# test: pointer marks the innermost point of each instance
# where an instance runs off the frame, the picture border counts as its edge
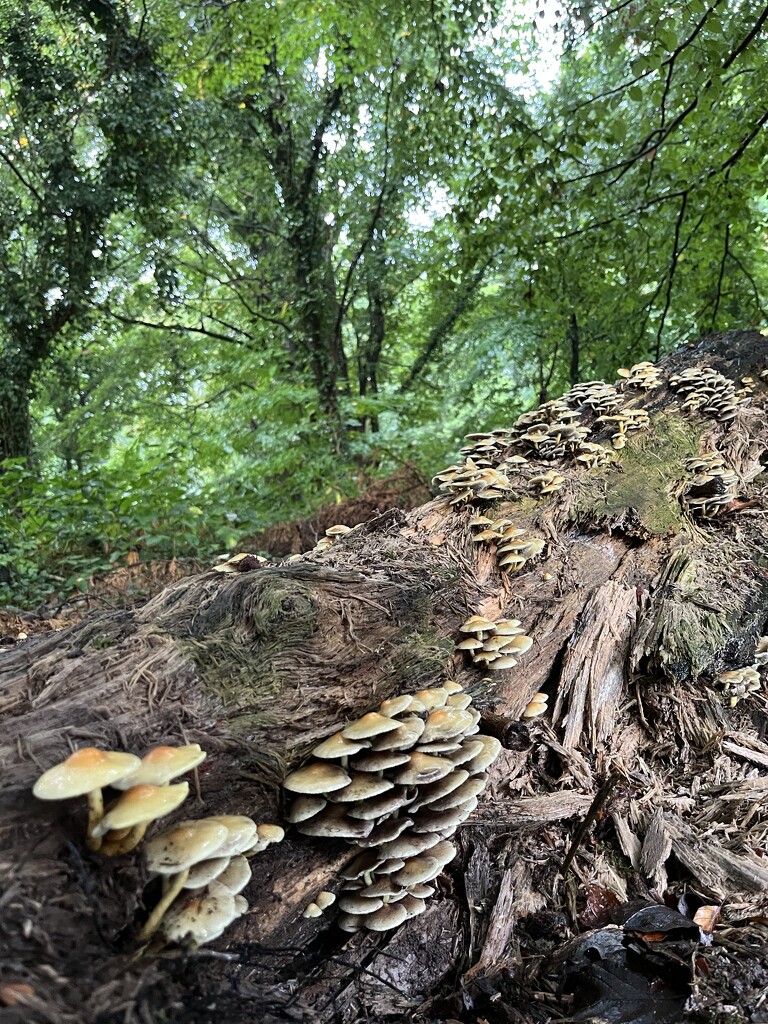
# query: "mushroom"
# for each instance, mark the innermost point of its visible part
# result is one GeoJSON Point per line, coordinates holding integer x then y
{"type": "Point", "coordinates": [172, 854]}
{"type": "Point", "coordinates": [86, 772]}
{"type": "Point", "coordinates": [203, 918]}
{"type": "Point", "coordinates": [161, 764]}
{"type": "Point", "coordinates": [135, 810]}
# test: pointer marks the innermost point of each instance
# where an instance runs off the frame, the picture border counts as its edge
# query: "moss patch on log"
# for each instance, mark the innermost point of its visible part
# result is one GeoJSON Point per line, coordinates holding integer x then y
{"type": "Point", "coordinates": [648, 478]}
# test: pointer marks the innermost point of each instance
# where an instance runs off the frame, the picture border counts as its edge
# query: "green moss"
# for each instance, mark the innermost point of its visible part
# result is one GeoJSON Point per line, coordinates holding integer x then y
{"type": "Point", "coordinates": [651, 467]}
{"type": "Point", "coordinates": [417, 660]}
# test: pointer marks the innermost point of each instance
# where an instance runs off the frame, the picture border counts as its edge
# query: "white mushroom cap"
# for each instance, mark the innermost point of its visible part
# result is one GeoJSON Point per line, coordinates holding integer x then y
{"type": "Point", "coordinates": [338, 746]}
{"type": "Point", "coordinates": [471, 787]}
{"type": "Point", "coordinates": [317, 778]}
{"type": "Point", "coordinates": [334, 823]}
{"type": "Point", "coordinates": [325, 899]}
{"type": "Point", "coordinates": [242, 833]}
{"type": "Point", "coordinates": [372, 724]}
{"type": "Point", "coordinates": [201, 919]}
{"type": "Point", "coordinates": [487, 755]}
{"type": "Point", "coordinates": [362, 786]}
{"type": "Point", "coordinates": [412, 905]}
{"type": "Point", "coordinates": [83, 771]}
{"type": "Point", "coordinates": [441, 788]}
{"type": "Point", "coordinates": [304, 807]}
{"type": "Point", "coordinates": [140, 804]}
{"type": "Point", "coordinates": [434, 697]}
{"type": "Point", "coordinates": [395, 705]}
{"type": "Point", "coordinates": [312, 910]}
{"type": "Point", "coordinates": [422, 768]}
{"type": "Point", "coordinates": [378, 806]}
{"type": "Point", "coordinates": [418, 870]}
{"type": "Point", "coordinates": [183, 846]}
{"type": "Point", "coordinates": [354, 903]}
{"type": "Point", "coordinates": [205, 871]}
{"type": "Point", "coordinates": [387, 830]}
{"type": "Point", "coordinates": [446, 723]}
{"type": "Point", "coordinates": [408, 845]}
{"type": "Point", "coordinates": [379, 760]}
{"type": "Point", "coordinates": [236, 875]}
{"type": "Point", "coordinates": [161, 764]}
{"type": "Point", "coordinates": [405, 736]}
{"type": "Point", "coordinates": [437, 821]}
{"type": "Point", "coordinates": [390, 916]}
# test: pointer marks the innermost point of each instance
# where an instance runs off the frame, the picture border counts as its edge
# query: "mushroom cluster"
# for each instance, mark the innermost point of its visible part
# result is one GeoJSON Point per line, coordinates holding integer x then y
{"type": "Point", "coordinates": [548, 483]}
{"type": "Point", "coordinates": [555, 440]}
{"type": "Point", "coordinates": [477, 479]}
{"type": "Point", "coordinates": [487, 445]}
{"type": "Point", "coordinates": [593, 454]}
{"type": "Point", "coordinates": [339, 530]}
{"type": "Point", "coordinates": [646, 376]}
{"type": "Point", "coordinates": [396, 783]}
{"type": "Point", "coordinates": [536, 707]}
{"type": "Point", "coordinates": [514, 545]}
{"type": "Point", "coordinates": [494, 645]}
{"type": "Point", "coordinates": [738, 683]}
{"type": "Point", "coordinates": [204, 867]}
{"type": "Point", "coordinates": [242, 562]}
{"type": "Point", "coordinates": [145, 781]}
{"type": "Point", "coordinates": [602, 398]}
{"type": "Point", "coordinates": [708, 392]}
{"type": "Point", "coordinates": [712, 487]}
{"type": "Point", "coordinates": [623, 423]}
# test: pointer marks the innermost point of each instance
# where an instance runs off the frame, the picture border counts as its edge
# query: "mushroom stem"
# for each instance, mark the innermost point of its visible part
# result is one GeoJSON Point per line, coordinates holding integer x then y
{"type": "Point", "coordinates": [158, 913]}
{"type": "Point", "coordinates": [95, 814]}
{"type": "Point", "coordinates": [125, 843]}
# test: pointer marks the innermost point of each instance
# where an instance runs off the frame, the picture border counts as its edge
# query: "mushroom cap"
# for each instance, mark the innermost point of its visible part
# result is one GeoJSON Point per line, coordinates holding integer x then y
{"type": "Point", "coordinates": [468, 750]}
{"type": "Point", "coordinates": [335, 823]}
{"type": "Point", "coordinates": [433, 697]}
{"type": "Point", "coordinates": [318, 778]}
{"type": "Point", "coordinates": [378, 806]}
{"type": "Point", "coordinates": [441, 788]}
{"type": "Point", "coordinates": [395, 705]}
{"type": "Point", "coordinates": [202, 918]}
{"type": "Point", "coordinates": [161, 764]}
{"type": "Point", "coordinates": [445, 724]}
{"type": "Point", "coordinates": [452, 687]}
{"type": "Point", "coordinates": [142, 803]}
{"type": "Point", "coordinates": [205, 871]}
{"type": "Point", "coordinates": [471, 787]}
{"type": "Point", "coordinates": [491, 748]}
{"type": "Point", "coordinates": [422, 768]}
{"type": "Point", "coordinates": [86, 769]}
{"type": "Point", "coordinates": [418, 870]}
{"type": "Point", "coordinates": [534, 709]}
{"type": "Point", "coordinates": [405, 736]}
{"type": "Point", "coordinates": [408, 845]}
{"type": "Point", "coordinates": [242, 833]}
{"type": "Point", "coordinates": [362, 786]}
{"type": "Point", "coordinates": [304, 807]}
{"type": "Point", "coordinates": [338, 746]}
{"type": "Point", "coordinates": [388, 830]}
{"type": "Point", "coordinates": [354, 903]}
{"type": "Point", "coordinates": [459, 700]}
{"type": "Point", "coordinates": [324, 899]}
{"type": "Point", "coordinates": [372, 724]}
{"type": "Point", "coordinates": [312, 910]}
{"type": "Point", "coordinates": [413, 905]}
{"type": "Point", "coordinates": [476, 624]}
{"type": "Point", "coordinates": [270, 833]}
{"type": "Point", "coordinates": [435, 821]}
{"type": "Point", "coordinates": [236, 875]}
{"type": "Point", "coordinates": [389, 916]}
{"type": "Point", "coordinates": [183, 846]}
{"type": "Point", "coordinates": [379, 760]}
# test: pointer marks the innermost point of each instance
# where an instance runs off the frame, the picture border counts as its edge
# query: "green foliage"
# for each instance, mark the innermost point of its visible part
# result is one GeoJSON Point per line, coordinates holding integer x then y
{"type": "Point", "coordinates": [254, 254]}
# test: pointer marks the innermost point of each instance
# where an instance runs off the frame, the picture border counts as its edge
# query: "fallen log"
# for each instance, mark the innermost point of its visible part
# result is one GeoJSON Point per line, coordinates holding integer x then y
{"type": "Point", "coordinates": [644, 774]}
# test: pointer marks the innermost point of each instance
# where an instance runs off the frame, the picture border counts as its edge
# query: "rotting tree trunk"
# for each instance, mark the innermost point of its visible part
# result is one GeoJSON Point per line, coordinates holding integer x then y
{"type": "Point", "coordinates": [634, 610]}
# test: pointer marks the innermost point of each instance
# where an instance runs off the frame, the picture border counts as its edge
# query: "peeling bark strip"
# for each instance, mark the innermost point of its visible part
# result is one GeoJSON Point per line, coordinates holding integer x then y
{"type": "Point", "coordinates": [635, 609]}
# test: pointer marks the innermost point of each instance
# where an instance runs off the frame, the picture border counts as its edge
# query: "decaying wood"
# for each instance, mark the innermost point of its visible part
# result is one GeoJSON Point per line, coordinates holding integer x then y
{"type": "Point", "coordinates": [635, 610]}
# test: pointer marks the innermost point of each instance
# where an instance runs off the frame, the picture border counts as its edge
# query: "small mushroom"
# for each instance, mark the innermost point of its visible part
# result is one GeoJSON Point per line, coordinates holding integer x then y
{"type": "Point", "coordinates": [161, 764]}
{"type": "Point", "coordinates": [135, 810]}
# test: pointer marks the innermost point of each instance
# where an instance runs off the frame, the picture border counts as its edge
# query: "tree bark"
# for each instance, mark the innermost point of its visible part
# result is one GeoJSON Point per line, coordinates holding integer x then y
{"type": "Point", "coordinates": [635, 609]}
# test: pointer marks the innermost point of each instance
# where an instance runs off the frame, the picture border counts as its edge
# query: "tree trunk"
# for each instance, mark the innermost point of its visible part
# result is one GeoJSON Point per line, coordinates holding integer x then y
{"type": "Point", "coordinates": [635, 609]}
{"type": "Point", "coordinates": [15, 431]}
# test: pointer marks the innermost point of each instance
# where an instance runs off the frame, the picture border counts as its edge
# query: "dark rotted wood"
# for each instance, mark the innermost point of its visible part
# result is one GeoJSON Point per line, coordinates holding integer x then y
{"type": "Point", "coordinates": [634, 611]}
